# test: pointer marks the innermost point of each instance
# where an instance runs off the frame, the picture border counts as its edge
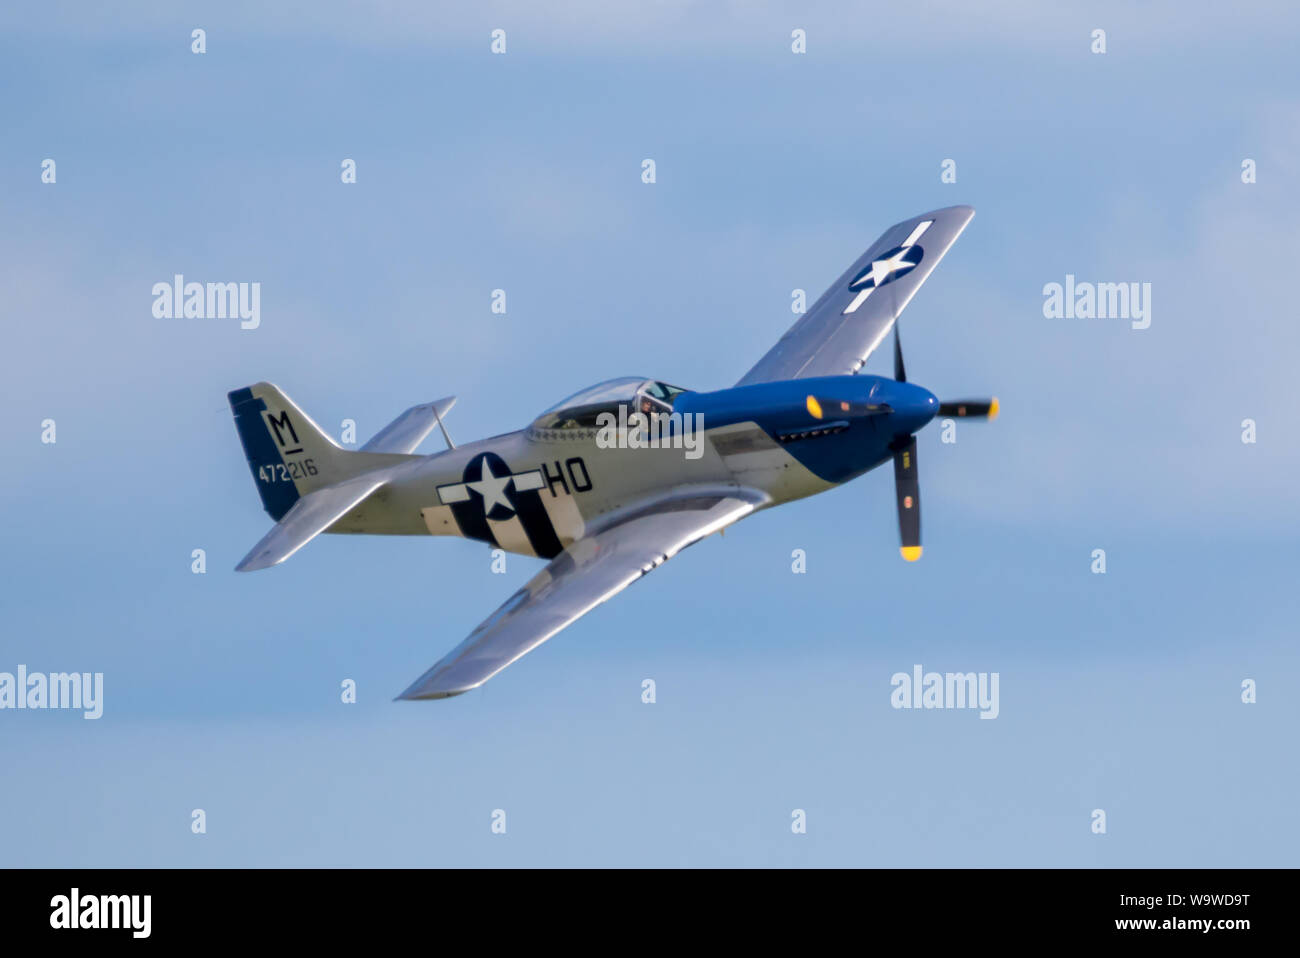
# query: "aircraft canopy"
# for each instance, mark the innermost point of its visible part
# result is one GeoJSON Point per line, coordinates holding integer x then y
{"type": "Point", "coordinates": [580, 410]}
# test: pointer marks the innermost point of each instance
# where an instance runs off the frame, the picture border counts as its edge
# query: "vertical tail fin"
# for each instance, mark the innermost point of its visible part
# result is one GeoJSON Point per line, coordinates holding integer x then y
{"type": "Point", "coordinates": [288, 454]}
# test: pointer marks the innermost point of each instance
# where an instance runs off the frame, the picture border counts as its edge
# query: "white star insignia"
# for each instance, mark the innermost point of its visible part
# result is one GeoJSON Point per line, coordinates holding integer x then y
{"type": "Point", "coordinates": [882, 268]}
{"type": "Point", "coordinates": [492, 487]}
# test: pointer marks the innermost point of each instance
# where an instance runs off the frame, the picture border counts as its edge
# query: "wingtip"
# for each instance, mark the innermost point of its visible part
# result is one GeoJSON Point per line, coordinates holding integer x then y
{"type": "Point", "coordinates": [414, 695]}
{"type": "Point", "coordinates": [254, 563]}
{"type": "Point", "coordinates": [432, 685]}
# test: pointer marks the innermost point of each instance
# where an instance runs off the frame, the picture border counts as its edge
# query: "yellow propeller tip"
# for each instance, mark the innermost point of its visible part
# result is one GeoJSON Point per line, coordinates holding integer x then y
{"type": "Point", "coordinates": [993, 409]}
{"type": "Point", "coordinates": [814, 407]}
{"type": "Point", "coordinates": [910, 553]}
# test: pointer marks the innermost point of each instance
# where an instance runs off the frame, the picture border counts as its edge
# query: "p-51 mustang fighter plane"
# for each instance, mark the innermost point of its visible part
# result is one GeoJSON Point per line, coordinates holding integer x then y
{"type": "Point", "coordinates": [606, 484]}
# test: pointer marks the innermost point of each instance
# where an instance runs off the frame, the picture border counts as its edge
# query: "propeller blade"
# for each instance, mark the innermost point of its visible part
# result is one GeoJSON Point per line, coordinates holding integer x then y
{"type": "Point", "coordinates": [970, 408]}
{"type": "Point", "coordinates": [908, 489]}
{"type": "Point", "coordinates": [840, 408]}
{"type": "Point", "coordinates": [899, 372]}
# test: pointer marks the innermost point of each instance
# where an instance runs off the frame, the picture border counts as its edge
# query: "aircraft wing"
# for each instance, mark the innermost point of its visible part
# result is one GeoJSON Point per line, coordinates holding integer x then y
{"type": "Point", "coordinates": [408, 430]}
{"type": "Point", "coordinates": [844, 326]}
{"type": "Point", "coordinates": [310, 516]}
{"type": "Point", "coordinates": [581, 577]}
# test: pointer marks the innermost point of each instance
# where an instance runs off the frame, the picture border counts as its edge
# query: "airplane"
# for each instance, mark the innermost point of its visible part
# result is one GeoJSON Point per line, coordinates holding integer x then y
{"type": "Point", "coordinates": [586, 486]}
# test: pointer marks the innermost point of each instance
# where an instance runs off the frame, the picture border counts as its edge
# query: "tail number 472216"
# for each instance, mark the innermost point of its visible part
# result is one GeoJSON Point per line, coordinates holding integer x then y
{"type": "Point", "coordinates": [280, 472]}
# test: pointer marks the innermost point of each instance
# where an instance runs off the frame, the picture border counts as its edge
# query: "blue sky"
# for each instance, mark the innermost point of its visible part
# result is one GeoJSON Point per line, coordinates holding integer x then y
{"type": "Point", "coordinates": [775, 171]}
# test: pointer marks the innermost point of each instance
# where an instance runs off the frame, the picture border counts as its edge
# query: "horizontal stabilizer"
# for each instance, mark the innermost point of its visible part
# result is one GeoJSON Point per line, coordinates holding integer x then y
{"type": "Point", "coordinates": [408, 430]}
{"type": "Point", "coordinates": [310, 516]}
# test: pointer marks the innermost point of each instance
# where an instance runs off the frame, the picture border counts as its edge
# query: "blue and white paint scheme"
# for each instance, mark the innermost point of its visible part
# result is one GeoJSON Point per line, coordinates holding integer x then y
{"type": "Point", "coordinates": [620, 477]}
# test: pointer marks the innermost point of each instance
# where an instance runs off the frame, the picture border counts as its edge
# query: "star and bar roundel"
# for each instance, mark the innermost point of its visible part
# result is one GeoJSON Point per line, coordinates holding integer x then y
{"type": "Point", "coordinates": [490, 491]}
{"type": "Point", "coordinates": [889, 266]}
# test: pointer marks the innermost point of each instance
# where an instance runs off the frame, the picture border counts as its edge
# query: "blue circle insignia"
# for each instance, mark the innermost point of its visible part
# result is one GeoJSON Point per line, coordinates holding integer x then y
{"type": "Point", "coordinates": [887, 267]}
